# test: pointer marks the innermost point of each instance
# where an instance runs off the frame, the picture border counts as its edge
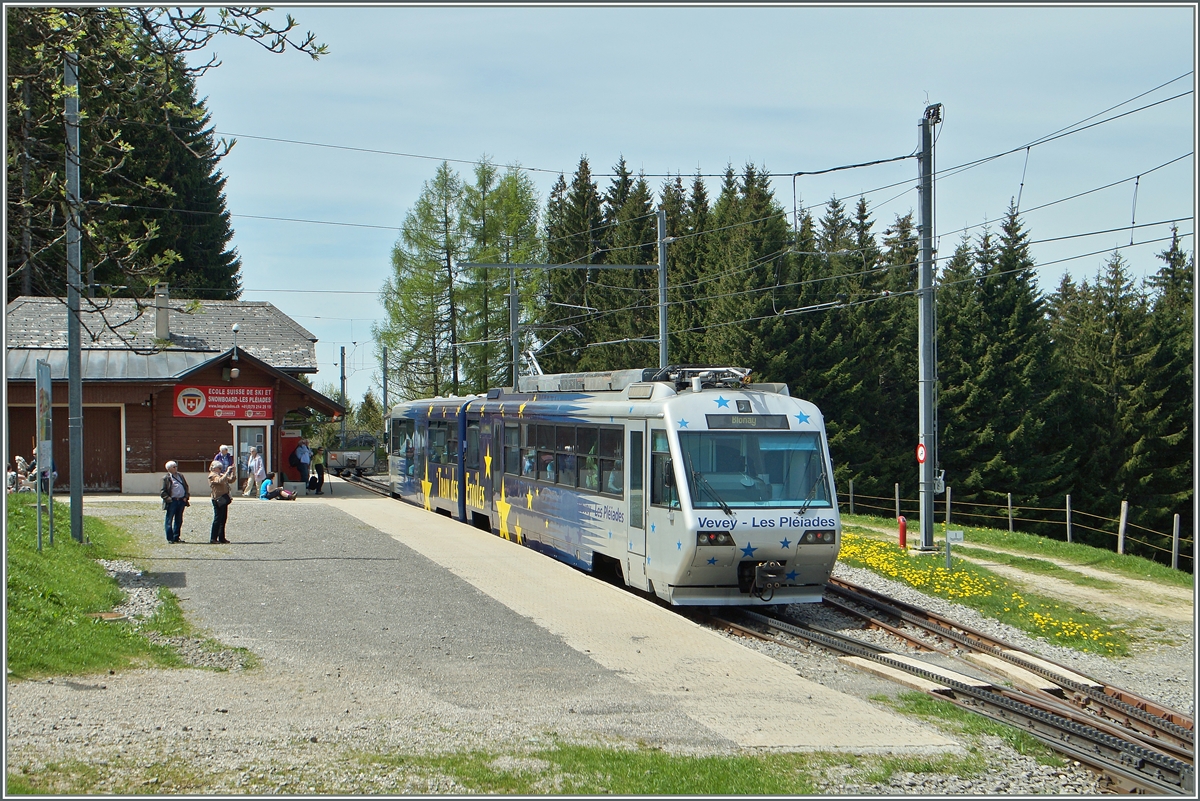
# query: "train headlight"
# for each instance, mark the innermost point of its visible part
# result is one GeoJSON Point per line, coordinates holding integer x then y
{"type": "Point", "coordinates": [714, 538]}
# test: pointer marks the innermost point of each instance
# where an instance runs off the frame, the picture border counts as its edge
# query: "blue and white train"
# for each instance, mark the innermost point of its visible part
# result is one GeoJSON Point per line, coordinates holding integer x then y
{"type": "Point", "coordinates": [699, 486]}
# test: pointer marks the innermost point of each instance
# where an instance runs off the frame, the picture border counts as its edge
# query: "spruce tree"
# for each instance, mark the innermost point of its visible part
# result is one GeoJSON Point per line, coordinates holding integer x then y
{"type": "Point", "coordinates": [1171, 490]}
{"type": "Point", "coordinates": [574, 235]}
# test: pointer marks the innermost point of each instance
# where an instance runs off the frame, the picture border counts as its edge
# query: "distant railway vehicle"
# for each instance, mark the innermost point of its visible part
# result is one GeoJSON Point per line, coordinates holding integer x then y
{"type": "Point", "coordinates": [357, 456]}
{"type": "Point", "coordinates": [697, 485]}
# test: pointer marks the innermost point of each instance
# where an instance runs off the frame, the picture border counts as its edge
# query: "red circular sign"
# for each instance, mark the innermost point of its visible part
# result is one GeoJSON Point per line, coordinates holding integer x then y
{"type": "Point", "coordinates": [921, 454]}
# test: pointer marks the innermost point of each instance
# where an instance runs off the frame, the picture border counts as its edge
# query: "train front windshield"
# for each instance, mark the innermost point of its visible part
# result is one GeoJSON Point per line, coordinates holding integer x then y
{"type": "Point", "coordinates": [751, 468]}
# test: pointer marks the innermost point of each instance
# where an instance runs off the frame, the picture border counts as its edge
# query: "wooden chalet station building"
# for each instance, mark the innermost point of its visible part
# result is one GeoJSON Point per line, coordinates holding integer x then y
{"type": "Point", "coordinates": [171, 381]}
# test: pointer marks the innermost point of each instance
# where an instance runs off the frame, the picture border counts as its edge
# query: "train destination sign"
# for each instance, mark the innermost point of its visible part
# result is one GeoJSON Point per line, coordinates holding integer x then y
{"type": "Point", "coordinates": [229, 403]}
{"type": "Point", "coordinates": [747, 421]}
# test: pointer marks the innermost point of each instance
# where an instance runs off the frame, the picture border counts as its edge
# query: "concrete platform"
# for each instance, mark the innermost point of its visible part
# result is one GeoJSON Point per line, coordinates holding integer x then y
{"type": "Point", "coordinates": [733, 691]}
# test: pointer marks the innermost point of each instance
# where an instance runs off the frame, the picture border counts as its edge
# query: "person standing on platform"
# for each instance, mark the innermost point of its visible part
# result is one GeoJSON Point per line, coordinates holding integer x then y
{"type": "Point", "coordinates": [219, 477]}
{"type": "Point", "coordinates": [304, 454]}
{"type": "Point", "coordinates": [255, 472]}
{"type": "Point", "coordinates": [224, 457]}
{"type": "Point", "coordinates": [175, 496]}
{"type": "Point", "coordinates": [318, 465]}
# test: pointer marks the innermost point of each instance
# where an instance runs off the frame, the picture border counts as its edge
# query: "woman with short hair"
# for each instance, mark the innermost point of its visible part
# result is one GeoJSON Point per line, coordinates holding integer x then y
{"type": "Point", "coordinates": [219, 478]}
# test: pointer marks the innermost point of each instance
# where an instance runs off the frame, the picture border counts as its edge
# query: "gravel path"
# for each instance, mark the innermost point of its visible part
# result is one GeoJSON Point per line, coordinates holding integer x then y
{"type": "Point", "coordinates": [365, 646]}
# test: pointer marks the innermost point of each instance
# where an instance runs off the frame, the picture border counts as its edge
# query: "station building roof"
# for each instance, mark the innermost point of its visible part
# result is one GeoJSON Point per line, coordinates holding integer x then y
{"type": "Point", "coordinates": [118, 337]}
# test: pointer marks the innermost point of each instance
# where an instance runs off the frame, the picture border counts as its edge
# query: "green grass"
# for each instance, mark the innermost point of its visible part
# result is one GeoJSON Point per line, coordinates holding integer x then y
{"type": "Point", "coordinates": [960, 721]}
{"type": "Point", "coordinates": [51, 593]}
{"type": "Point", "coordinates": [1030, 564]}
{"type": "Point", "coordinates": [593, 770]}
{"type": "Point", "coordinates": [1034, 545]}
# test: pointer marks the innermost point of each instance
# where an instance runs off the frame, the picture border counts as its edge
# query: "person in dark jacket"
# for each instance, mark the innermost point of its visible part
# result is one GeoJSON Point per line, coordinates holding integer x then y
{"type": "Point", "coordinates": [175, 496]}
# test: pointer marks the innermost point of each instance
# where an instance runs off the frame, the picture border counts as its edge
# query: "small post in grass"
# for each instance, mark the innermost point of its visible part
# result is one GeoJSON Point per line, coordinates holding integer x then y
{"type": "Point", "coordinates": [1010, 528]}
{"type": "Point", "coordinates": [1175, 546]}
{"type": "Point", "coordinates": [851, 496]}
{"type": "Point", "coordinates": [897, 499]}
{"type": "Point", "coordinates": [1121, 530]}
{"type": "Point", "coordinates": [947, 504]}
{"type": "Point", "coordinates": [951, 536]}
{"type": "Point", "coordinates": [1068, 517]}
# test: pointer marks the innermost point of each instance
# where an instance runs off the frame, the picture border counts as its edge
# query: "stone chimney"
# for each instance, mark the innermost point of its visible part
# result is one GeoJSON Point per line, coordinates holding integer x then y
{"type": "Point", "coordinates": [162, 324]}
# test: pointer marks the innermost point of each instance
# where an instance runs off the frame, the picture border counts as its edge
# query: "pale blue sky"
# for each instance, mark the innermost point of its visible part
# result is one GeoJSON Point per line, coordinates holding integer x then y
{"type": "Point", "coordinates": [674, 89]}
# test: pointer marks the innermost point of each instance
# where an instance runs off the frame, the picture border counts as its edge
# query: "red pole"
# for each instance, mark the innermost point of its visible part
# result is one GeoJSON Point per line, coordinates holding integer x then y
{"type": "Point", "coordinates": [903, 533]}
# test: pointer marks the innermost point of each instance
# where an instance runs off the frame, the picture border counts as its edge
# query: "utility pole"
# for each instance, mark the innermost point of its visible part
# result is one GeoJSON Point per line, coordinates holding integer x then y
{"type": "Point", "coordinates": [514, 327]}
{"type": "Point", "coordinates": [927, 365]}
{"type": "Point", "coordinates": [343, 397]}
{"type": "Point", "coordinates": [74, 367]}
{"type": "Point", "coordinates": [662, 287]}
{"type": "Point", "coordinates": [386, 409]}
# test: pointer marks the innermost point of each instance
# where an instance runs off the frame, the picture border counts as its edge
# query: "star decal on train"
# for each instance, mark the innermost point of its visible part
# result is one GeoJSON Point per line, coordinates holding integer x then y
{"type": "Point", "coordinates": [683, 423]}
{"type": "Point", "coordinates": [503, 507]}
{"type": "Point", "coordinates": [426, 486]}
{"type": "Point", "coordinates": [517, 528]}
{"type": "Point", "coordinates": [791, 575]}
{"type": "Point", "coordinates": [712, 560]}
{"type": "Point", "coordinates": [528, 499]}
{"type": "Point", "coordinates": [801, 418]}
{"type": "Point", "coordinates": [678, 545]}
{"type": "Point", "coordinates": [487, 461]}
{"type": "Point", "coordinates": [749, 550]}
{"type": "Point", "coordinates": [722, 403]}
{"type": "Point", "coordinates": [521, 409]}
{"type": "Point", "coordinates": [786, 543]}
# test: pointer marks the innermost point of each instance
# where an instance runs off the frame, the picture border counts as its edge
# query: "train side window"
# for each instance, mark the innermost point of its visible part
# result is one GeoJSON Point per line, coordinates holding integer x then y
{"type": "Point", "coordinates": [402, 434]}
{"type": "Point", "coordinates": [587, 444]}
{"type": "Point", "coordinates": [663, 491]}
{"type": "Point", "coordinates": [512, 438]}
{"type": "Point", "coordinates": [612, 469]}
{"type": "Point", "coordinates": [529, 450]}
{"type": "Point", "coordinates": [439, 442]}
{"type": "Point", "coordinates": [565, 439]}
{"type": "Point", "coordinates": [471, 458]}
{"type": "Point", "coordinates": [545, 459]}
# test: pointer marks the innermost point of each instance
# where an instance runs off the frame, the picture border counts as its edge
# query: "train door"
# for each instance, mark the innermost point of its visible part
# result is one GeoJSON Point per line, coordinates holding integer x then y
{"type": "Point", "coordinates": [476, 498]}
{"type": "Point", "coordinates": [635, 558]}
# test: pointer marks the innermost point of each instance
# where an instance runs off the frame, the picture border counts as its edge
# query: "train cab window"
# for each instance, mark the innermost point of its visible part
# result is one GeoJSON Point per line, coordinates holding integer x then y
{"type": "Point", "coordinates": [529, 450]}
{"type": "Point", "coordinates": [512, 438]}
{"type": "Point", "coordinates": [612, 470]}
{"type": "Point", "coordinates": [565, 439]}
{"type": "Point", "coordinates": [546, 469]}
{"type": "Point", "coordinates": [471, 458]}
{"type": "Point", "coordinates": [663, 491]}
{"type": "Point", "coordinates": [402, 436]}
{"type": "Point", "coordinates": [587, 443]}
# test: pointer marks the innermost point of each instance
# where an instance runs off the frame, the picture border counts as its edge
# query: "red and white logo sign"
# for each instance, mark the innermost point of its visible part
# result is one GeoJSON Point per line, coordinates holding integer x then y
{"type": "Point", "coordinates": [191, 401]}
{"type": "Point", "coordinates": [228, 402]}
{"type": "Point", "coordinates": [921, 453]}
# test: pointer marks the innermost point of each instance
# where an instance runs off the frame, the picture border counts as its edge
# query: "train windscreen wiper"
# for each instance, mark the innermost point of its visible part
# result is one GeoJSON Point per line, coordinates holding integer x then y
{"type": "Point", "coordinates": [812, 493]}
{"type": "Point", "coordinates": [702, 482]}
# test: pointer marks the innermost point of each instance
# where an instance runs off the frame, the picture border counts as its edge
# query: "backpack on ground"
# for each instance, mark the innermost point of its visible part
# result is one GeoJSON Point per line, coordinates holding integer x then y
{"type": "Point", "coordinates": [312, 484]}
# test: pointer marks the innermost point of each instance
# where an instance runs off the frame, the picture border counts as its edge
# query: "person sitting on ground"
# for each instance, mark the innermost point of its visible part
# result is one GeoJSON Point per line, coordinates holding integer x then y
{"type": "Point", "coordinates": [267, 491]}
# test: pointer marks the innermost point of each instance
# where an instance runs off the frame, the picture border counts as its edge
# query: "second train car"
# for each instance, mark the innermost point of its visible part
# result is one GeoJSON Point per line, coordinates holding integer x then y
{"type": "Point", "coordinates": [697, 485]}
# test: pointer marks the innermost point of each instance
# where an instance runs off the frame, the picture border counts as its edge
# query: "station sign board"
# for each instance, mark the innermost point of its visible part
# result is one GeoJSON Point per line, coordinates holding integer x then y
{"type": "Point", "coordinates": [225, 402]}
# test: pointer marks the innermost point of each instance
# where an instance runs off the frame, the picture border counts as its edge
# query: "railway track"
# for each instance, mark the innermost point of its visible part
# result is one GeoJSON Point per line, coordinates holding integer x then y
{"type": "Point", "coordinates": [1137, 745]}
{"type": "Point", "coordinates": [1128, 760]}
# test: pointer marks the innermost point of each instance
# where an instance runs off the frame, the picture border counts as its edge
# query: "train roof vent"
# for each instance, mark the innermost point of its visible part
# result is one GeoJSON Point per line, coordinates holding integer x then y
{"type": "Point", "coordinates": [611, 381]}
